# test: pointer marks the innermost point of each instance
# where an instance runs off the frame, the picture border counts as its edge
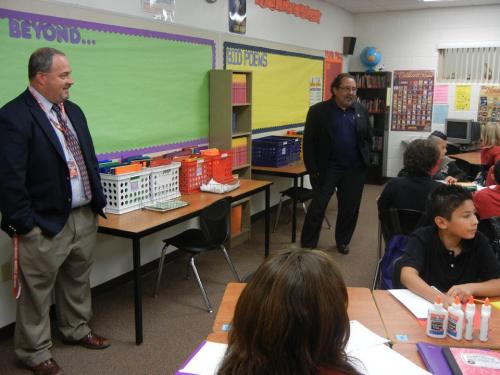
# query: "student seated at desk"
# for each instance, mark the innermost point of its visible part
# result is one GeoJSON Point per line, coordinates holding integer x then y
{"type": "Point", "coordinates": [291, 319]}
{"type": "Point", "coordinates": [487, 200]}
{"type": "Point", "coordinates": [490, 149]}
{"type": "Point", "coordinates": [452, 255]}
{"type": "Point", "coordinates": [411, 189]}
{"type": "Point", "coordinates": [448, 169]}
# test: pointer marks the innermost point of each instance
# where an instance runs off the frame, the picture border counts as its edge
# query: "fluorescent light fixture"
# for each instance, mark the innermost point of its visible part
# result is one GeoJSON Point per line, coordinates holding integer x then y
{"type": "Point", "coordinates": [435, 1]}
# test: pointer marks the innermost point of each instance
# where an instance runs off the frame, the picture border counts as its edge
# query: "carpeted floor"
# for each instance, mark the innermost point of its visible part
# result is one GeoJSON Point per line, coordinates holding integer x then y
{"type": "Point", "coordinates": [176, 322]}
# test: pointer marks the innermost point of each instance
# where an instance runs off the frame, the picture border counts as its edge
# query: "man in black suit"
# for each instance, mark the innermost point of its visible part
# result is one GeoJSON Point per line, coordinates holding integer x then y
{"type": "Point", "coordinates": [337, 143]}
{"type": "Point", "coordinates": [50, 195]}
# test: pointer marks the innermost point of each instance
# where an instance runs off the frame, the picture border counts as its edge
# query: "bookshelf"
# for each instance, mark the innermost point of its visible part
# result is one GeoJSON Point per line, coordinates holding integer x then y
{"type": "Point", "coordinates": [374, 93]}
{"type": "Point", "coordinates": [231, 129]}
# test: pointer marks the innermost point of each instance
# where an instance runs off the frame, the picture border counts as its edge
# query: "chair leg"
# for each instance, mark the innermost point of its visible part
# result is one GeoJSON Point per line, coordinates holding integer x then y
{"type": "Point", "coordinates": [326, 219]}
{"type": "Point", "coordinates": [200, 285]}
{"type": "Point", "coordinates": [231, 265]}
{"type": "Point", "coordinates": [376, 277]}
{"type": "Point", "coordinates": [278, 214]}
{"type": "Point", "coordinates": [328, 223]}
{"type": "Point", "coordinates": [160, 269]}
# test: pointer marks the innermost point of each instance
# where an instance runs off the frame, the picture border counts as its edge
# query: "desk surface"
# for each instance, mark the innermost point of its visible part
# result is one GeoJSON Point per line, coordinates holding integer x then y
{"type": "Point", "coordinates": [361, 307]}
{"type": "Point", "coordinates": [292, 170]}
{"type": "Point", "coordinates": [144, 221]}
{"type": "Point", "coordinates": [473, 158]}
{"type": "Point", "coordinates": [398, 320]}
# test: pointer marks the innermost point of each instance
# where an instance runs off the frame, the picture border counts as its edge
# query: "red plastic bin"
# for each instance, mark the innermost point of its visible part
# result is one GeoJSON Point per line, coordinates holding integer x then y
{"type": "Point", "coordinates": [194, 172]}
{"type": "Point", "coordinates": [222, 167]}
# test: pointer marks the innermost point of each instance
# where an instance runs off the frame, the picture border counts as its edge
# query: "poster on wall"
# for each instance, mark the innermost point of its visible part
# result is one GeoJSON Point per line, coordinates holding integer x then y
{"type": "Point", "coordinates": [489, 104]}
{"type": "Point", "coordinates": [315, 90]}
{"type": "Point", "coordinates": [238, 16]}
{"type": "Point", "coordinates": [412, 100]}
{"type": "Point", "coordinates": [332, 67]}
{"type": "Point", "coordinates": [462, 97]}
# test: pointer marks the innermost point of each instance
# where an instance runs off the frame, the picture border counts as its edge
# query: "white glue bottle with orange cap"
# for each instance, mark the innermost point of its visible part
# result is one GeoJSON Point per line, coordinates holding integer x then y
{"type": "Point", "coordinates": [485, 320]}
{"type": "Point", "coordinates": [455, 320]}
{"type": "Point", "coordinates": [470, 312]}
{"type": "Point", "coordinates": [437, 319]}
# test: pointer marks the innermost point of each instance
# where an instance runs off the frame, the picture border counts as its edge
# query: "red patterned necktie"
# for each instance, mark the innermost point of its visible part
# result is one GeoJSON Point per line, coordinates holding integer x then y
{"type": "Point", "coordinates": [74, 147]}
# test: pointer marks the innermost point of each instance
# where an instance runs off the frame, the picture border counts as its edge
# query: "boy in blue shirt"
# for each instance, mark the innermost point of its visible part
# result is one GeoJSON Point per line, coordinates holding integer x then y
{"type": "Point", "coordinates": [452, 255]}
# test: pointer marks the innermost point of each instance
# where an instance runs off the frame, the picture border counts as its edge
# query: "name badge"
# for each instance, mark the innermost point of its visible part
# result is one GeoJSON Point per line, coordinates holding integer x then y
{"type": "Point", "coordinates": [73, 170]}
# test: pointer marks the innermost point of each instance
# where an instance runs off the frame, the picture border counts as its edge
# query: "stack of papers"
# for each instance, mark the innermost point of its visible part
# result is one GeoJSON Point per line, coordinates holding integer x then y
{"type": "Point", "coordinates": [366, 349]}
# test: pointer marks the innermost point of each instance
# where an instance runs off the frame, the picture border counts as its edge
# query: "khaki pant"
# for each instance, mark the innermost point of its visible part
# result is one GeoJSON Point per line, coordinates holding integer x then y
{"type": "Point", "coordinates": [62, 264]}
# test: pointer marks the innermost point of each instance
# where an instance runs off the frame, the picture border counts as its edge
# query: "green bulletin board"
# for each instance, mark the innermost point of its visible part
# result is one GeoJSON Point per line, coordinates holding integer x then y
{"type": "Point", "coordinates": [140, 90]}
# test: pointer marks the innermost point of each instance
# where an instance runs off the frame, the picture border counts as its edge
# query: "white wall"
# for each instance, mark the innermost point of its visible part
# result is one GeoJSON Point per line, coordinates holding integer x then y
{"type": "Point", "coordinates": [112, 255]}
{"type": "Point", "coordinates": [408, 40]}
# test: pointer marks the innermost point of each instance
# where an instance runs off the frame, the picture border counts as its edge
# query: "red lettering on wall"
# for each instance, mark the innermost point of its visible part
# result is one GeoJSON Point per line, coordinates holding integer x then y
{"type": "Point", "coordinates": [295, 9]}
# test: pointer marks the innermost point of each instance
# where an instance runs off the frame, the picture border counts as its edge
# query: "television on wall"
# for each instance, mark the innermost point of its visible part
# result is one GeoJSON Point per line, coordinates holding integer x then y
{"type": "Point", "coordinates": [464, 132]}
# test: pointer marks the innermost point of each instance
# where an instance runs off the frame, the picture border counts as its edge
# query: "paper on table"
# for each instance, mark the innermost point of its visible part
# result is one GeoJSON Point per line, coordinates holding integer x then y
{"type": "Point", "coordinates": [417, 305]}
{"type": "Point", "coordinates": [208, 357]}
{"type": "Point", "coordinates": [361, 337]}
{"type": "Point", "coordinates": [383, 360]}
{"type": "Point", "coordinates": [207, 360]}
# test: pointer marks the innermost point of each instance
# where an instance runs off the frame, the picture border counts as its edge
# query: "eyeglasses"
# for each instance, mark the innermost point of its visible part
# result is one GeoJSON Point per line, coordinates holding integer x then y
{"type": "Point", "coordinates": [350, 89]}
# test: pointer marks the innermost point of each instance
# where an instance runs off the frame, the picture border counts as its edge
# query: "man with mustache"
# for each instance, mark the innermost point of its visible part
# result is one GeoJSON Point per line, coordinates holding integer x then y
{"type": "Point", "coordinates": [50, 195]}
{"type": "Point", "coordinates": [337, 143]}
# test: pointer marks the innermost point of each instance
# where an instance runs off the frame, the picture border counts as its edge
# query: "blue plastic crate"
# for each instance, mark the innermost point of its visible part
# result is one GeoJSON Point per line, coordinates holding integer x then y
{"type": "Point", "coordinates": [275, 151]}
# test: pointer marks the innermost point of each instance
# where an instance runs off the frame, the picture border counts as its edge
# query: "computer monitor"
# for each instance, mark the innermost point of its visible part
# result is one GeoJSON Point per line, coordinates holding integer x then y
{"type": "Point", "coordinates": [462, 131]}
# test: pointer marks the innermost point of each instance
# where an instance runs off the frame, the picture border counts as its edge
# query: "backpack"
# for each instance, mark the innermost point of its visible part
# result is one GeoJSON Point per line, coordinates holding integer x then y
{"type": "Point", "coordinates": [395, 248]}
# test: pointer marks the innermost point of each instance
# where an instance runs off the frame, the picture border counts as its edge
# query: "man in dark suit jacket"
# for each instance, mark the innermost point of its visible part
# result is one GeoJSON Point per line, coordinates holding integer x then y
{"type": "Point", "coordinates": [50, 195]}
{"type": "Point", "coordinates": [337, 143]}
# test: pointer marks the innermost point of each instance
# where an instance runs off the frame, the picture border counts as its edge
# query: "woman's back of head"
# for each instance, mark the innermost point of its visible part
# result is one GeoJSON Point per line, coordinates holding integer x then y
{"type": "Point", "coordinates": [291, 318]}
{"type": "Point", "coordinates": [490, 134]}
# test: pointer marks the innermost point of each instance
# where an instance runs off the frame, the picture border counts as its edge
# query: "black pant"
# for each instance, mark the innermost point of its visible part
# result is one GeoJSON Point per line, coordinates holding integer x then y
{"type": "Point", "coordinates": [349, 185]}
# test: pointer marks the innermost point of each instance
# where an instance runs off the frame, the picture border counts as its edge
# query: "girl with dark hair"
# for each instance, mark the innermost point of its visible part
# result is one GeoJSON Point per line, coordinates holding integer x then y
{"type": "Point", "coordinates": [291, 319]}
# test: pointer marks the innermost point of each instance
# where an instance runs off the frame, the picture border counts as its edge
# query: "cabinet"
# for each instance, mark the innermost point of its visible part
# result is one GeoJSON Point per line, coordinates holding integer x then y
{"type": "Point", "coordinates": [374, 92]}
{"type": "Point", "coordinates": [231, 129]}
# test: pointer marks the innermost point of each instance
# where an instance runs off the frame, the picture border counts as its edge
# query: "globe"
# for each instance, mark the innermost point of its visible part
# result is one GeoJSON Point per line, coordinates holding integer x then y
{"type": "Point", "coordinates": [370, 57]}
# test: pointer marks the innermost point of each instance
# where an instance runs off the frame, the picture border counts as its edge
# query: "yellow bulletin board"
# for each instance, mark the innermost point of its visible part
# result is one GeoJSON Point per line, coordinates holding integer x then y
{"type": "Point", "coordinates": [284, 84]}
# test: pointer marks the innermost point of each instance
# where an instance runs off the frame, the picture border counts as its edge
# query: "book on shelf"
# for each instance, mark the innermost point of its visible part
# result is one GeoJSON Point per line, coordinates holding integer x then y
{"type": "Point", "coordinates": [472, 361]}
{"type": "Point", "coordinates": [370, 81]}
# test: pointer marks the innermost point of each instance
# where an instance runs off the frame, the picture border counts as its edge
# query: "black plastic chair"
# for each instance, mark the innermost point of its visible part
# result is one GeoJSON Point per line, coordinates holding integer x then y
{"type": "Point", "coordinates": [301, 195]}
{"type": "Point", "coordinates": [491, 228]}
{"type": "Point", "coordinates": [391, 222]}
{"type": "Point", "coordinates": [215, 229]}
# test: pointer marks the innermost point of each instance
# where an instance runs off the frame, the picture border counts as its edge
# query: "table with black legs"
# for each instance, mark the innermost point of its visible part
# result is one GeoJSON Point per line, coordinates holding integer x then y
{"type": "Point", "coordinates": [295, 171]}
{"type": "Point", "coordinates": [141, 223]}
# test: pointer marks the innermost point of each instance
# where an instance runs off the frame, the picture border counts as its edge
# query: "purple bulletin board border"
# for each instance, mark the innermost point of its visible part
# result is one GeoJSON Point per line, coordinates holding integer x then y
{"type": "Point", "coordinates": [152, 149]}
{"type": "Point", "coordinates": [109, 28]}
{"type": "Point", "coordinates": [7, 13]}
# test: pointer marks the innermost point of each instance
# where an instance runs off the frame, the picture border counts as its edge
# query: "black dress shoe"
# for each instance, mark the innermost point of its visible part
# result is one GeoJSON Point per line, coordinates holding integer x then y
{"type": "Point", "coordinates": [343, 248]}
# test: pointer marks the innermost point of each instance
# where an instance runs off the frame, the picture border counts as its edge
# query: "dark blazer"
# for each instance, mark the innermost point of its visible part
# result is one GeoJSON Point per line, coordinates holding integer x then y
{"type": "Point", "coordinates": [35, 187]}
{"type": "Point", "coordinates": [318, 136]}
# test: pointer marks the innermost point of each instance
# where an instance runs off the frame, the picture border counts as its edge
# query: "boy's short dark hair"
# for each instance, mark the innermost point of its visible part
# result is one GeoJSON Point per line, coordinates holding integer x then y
{"type": "Point", "coordinates": [446, 199]}
{"type": "Point", "coordinates": [438, 134]}
{"type": "Point", "coordinates": [496, 171]}
{"type": "Point", "coordinates": [420, 157]}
